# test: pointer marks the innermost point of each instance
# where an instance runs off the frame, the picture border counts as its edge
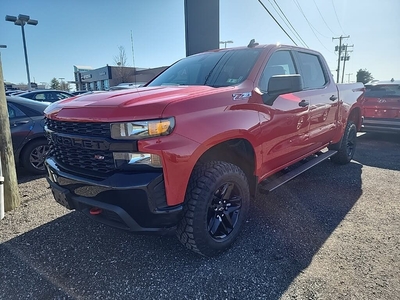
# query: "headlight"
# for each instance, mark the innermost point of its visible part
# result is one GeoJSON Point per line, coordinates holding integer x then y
{"type": "Point", "coordinates": [142, 129]}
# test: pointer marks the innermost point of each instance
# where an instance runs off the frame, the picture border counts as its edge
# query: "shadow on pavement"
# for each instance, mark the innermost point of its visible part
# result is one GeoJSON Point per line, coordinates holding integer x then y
{"type": "Point", "coordinates": [74, 257]}
{"type": "Point", "coordinates": [379, 150]}
{"type": "Point", "coordinates": [24, 176]}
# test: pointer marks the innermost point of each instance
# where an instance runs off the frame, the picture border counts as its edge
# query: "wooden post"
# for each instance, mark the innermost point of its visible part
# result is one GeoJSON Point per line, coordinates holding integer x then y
{"type": "Point", "coordinates": [11, 192]}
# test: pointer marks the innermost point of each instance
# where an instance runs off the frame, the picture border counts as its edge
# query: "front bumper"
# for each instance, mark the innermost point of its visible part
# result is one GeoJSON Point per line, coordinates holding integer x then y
{"type": "Point", "coordinates": [125, 200]}
{"type": "Point", "coordinates": [380, 125]}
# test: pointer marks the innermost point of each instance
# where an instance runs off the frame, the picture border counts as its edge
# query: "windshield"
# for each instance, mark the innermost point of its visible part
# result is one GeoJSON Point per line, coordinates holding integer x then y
{"type": "Point", "coordinates": [382, 91]}
{"type": "Point", "coordinates": [216, 69]}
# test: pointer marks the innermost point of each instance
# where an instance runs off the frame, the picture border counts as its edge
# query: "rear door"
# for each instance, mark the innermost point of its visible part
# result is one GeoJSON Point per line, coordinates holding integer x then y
{"type": "Point", "coordinates": [20, 125]}
{"type": "Point", "coordinates": [321, 93]}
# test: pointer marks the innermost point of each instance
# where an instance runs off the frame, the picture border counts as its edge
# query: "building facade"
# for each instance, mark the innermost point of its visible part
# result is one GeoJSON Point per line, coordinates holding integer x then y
{"type": "Point", "coordinates": [101, 79]}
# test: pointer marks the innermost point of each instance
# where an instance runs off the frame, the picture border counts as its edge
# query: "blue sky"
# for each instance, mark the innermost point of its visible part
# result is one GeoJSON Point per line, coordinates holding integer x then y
{"type": "Point", "coordinates": [89, 33]}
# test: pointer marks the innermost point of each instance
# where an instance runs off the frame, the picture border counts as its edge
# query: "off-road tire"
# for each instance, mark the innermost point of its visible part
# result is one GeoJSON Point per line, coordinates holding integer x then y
{"type": "Point", "coordinates": [210, 185]}
{"type": "Point", "coordinates": [35, 149]}
{"type": "Point", "coordinates": [347, 145]}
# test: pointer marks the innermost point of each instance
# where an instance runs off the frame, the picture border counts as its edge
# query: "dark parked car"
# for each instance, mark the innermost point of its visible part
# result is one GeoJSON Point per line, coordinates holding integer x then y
{"type": "Point", "coordinates": [14, 92]}
{"type": "Point", "coordinates": [46, 95]}
{"type": "Point", "coordinates": [28, 137]}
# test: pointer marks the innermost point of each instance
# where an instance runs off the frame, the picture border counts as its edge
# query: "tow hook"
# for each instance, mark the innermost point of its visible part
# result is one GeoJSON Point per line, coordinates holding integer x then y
{"type": "Point", "coordinates": [95, 211]}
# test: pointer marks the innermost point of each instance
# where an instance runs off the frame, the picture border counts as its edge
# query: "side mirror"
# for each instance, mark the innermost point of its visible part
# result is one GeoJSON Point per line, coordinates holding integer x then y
{"type": "Point", "coordinates": [282, 84]}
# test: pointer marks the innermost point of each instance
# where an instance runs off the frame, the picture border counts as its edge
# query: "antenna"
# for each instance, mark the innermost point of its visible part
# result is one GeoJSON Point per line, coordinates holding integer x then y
{"type": "Point", "coordinates": [133, 56]}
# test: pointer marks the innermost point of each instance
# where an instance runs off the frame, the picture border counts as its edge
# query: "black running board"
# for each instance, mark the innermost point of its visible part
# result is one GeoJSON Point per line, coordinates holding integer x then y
{"type": "Point", "coordinates": [272, 185]}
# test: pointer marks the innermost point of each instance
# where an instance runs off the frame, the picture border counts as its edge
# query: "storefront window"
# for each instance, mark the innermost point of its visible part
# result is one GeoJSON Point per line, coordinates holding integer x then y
{"type": "Point", "coordinates": [106, 84]}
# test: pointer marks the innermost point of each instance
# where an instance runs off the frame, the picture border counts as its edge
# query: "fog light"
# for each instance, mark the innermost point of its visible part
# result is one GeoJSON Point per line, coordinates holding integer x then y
{"type": "Point", "coordinates": [130, 159]}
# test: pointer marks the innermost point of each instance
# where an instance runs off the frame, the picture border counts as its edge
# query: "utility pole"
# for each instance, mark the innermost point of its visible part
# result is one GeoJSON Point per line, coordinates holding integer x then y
{"type": "Point", "coordinates": [11, 192]}
{"type": "Point", "coordinates": [339, 49]}
{"type": "Point", "coordinates": [345, 58]}
{"type": "Point", "coordinates": [348, 77]}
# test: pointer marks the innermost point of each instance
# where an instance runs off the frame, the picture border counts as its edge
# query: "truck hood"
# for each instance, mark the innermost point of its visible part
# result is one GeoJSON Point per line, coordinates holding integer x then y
{"type": "Point", "coordinates": [130, 104]}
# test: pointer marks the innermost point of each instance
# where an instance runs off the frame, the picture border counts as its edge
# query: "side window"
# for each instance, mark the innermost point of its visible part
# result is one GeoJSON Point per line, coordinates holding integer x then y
{"type": "Point", "coordinates": [280, 63]}
{"type": "Point", "coordinates": [311, 71]}
{"type": "Point", "coordinates": [63, 96]}
{"type": "Point", "coordinates": [14, 112]}
{"type": "Point", "coordinates": [59, 96]}
{"type": "Point", "coordinates": [40, 96]}
{"type": "Point", "coordinates": [11, 112]}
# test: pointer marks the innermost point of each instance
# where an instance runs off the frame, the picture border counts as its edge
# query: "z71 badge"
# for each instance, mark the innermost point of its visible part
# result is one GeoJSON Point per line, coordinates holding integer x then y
{"type": "Point", "coordinates": [241, 96]}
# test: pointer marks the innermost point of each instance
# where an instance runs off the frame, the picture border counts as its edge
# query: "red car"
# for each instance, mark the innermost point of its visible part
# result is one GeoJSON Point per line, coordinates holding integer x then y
{"type": "Point", "coordinates": [381, 106]}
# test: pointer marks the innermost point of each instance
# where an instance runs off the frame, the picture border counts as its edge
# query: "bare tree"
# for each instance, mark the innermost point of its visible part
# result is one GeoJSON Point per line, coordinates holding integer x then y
{"type": "Point", "coordinates": [120, 61]}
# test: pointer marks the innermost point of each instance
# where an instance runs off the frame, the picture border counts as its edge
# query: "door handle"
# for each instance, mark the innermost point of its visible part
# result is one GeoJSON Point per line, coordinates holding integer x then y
{"type": "Point", "coordinates": [16, 123]}
{"type": "Point", "coordinates": [303, 103]}
{"type": "Point", "coordinates": [333, 98]}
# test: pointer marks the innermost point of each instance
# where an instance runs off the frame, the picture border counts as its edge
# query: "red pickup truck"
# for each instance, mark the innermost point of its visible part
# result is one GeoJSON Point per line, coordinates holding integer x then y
{"type": "Point", "coordinates": [188, 150]}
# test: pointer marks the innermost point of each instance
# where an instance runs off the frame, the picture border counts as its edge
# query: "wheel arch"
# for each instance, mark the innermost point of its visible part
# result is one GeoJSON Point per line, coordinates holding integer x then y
{"type": "Point", "coordinates": [355, 117]}
{"type": "Point", "coordinates": [237, 151]}
{"type": "Point", "coordinates": [27, 144]}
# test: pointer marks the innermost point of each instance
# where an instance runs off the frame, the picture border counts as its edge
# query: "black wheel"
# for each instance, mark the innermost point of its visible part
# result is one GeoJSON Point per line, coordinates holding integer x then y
{"type": "Point", "coordinates": [216, 204]}
{"type": "Point", "coordinates": [347, 146]}
{"type": "Point", "coordinates": [34, 155]}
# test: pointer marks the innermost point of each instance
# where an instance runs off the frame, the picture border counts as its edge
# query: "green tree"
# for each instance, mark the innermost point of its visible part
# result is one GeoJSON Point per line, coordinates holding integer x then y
{"type": "Point", "coordinates": [364, 76]}
{"type": "Point", "coordinates": [55, 84]}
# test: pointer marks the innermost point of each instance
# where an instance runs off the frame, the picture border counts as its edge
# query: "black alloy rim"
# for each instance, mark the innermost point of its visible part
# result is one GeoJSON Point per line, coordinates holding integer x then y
{"type": "Point", "coordinates": [224, 210]}
{"type": "Point", "coordinates": [38, 156]}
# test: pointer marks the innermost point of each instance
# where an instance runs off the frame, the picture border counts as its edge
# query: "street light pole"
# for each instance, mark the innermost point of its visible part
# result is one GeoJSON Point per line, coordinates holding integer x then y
{"type": "Point", "coordinates": [21, 21]}
{"type": "Point", "coordinates": [226, 42]}
{"type": "Point", "coordinates": [26, 57]}
{"type": "Point", "coordinates": [62, 83]}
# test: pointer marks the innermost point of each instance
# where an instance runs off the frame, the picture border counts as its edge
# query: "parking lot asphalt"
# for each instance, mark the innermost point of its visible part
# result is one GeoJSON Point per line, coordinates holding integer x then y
{"type": "Point", "coordinates": [331, 233]}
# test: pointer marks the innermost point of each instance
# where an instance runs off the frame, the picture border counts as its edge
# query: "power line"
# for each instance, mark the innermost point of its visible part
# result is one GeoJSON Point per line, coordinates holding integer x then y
{"type": "Point", "coordinates": [294, 30]}
{"type": "Point", "coordinates": [277, 22]}
{"type": "Point", "coordinates": [311, 27]}
{"type": "Point", "coordinates": [334, 9]}
{"type": "Point", "coordinates": [323, 19]}
{"type": "Point", "coordinates": [309, 23]}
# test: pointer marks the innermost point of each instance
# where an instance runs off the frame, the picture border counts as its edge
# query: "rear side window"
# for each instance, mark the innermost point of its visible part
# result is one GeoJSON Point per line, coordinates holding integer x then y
{"type": "Point", "coordinates": [59, 96]}
{"type": "Point", "coordinates": [11, 112]}
{"type": "Point", "coordinates": [382, 91]}
{"type": "Point", "coordinates": [280, 63]}
{"type": "Point", "coordinates": [311, 71]}
{"type": "Point", "coordinates": [14, 112]}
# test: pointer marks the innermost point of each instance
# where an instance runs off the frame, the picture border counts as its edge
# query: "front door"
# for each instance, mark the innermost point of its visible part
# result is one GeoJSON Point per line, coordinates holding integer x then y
{"type": "Point", "coordinates": [285, 121]}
